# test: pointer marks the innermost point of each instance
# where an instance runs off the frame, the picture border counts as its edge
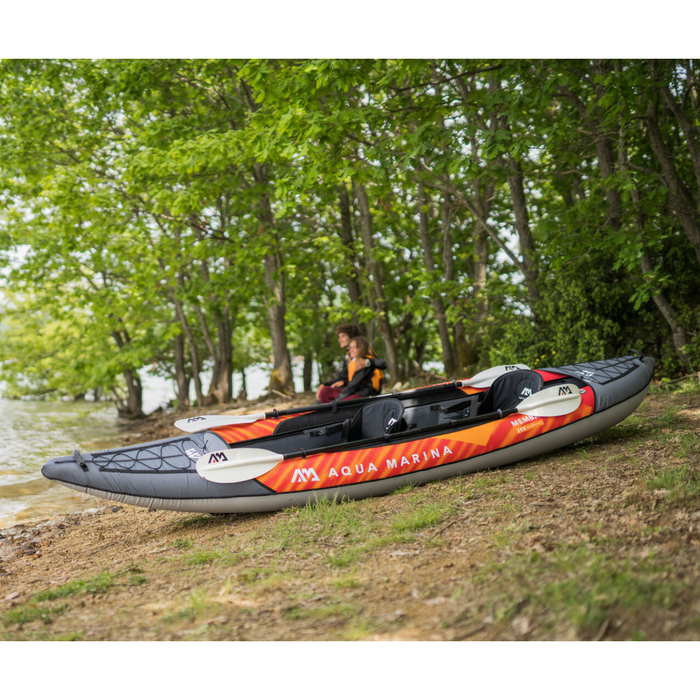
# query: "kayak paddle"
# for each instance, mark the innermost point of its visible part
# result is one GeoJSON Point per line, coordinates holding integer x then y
{"type": "Point", "coordinates": [195, 424]}
{"type": "Point", "coordinates": [244, 463]}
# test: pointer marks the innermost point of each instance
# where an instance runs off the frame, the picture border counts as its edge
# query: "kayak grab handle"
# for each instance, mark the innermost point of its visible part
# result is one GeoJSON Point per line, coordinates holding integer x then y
{"type": "Point", "coordinates": [80, 460]}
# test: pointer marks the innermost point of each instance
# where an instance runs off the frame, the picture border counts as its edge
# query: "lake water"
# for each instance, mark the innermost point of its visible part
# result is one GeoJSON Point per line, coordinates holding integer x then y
{"type": "Point", "coordinates": [33, 432]}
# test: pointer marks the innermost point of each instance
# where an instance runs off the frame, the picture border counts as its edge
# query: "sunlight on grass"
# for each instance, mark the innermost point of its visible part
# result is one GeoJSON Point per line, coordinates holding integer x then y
{"type": "Point", "coordinates": [427, 516]}
{"type": "Point", "coordinates": [23, 614]}
{"type": "Point", "coordinates": [95, 585]}
{"type": "Point", "coordinates": [580, 585]}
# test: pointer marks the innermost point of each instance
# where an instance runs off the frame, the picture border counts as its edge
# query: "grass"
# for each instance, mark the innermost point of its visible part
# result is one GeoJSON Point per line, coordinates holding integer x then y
{"type": "Point", "coordinates": [682, 483]}
{"type": "Point", "coordinates": [35, 610]}
{"type": "Point", "coordinates": [428, 516]}
{"type": "Point", "coordinates": [95, 585]}
{"type": "Point", "coordinates": [333, 609]}
{"type": "Point", "coordinates": [199, 521]}
{"type": "Point", "coordinates": [201, 558]}
{"type": "Point", "coordinates": [406, 488]}
{"type": "Point", "coordinates": [198, 604]}
{"type": "Point", "coordinates": [347, 582]}
{"type": "Point", "coordinates": [346, 557]}
{"type": "Point", "coordinates": [23, 614]}
{"type": "Point", "coordinates": [586, 587]}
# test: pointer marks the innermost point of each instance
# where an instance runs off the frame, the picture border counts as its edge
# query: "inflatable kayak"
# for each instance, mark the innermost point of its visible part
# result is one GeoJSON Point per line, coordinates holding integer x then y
{"type": "Point", "coordinates": [366, 447]}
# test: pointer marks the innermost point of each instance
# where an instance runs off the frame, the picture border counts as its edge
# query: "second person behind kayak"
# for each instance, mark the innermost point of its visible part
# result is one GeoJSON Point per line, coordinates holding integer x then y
{"type": "Point", "coordinates": [364, 371]}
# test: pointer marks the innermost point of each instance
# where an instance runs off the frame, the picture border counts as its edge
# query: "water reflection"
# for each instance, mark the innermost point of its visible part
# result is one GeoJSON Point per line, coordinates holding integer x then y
{"type": "Point", "coordinates": [33, 432]}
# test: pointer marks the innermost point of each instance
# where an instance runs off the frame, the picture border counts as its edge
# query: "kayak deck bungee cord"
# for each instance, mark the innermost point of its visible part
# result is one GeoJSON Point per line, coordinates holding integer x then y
{"type": "Point", "coordinates": [366, 447]}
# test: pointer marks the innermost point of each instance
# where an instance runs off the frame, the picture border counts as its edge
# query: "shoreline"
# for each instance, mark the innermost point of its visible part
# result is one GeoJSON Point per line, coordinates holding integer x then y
{"type": "Point", "coordinates": [157, 425]}
{"type": "Point", "coordinates": [600, 540]}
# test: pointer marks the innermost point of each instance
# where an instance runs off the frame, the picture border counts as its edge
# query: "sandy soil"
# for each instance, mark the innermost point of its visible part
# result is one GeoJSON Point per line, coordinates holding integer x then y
{"type": "Point", "coordinates": [598, 541]}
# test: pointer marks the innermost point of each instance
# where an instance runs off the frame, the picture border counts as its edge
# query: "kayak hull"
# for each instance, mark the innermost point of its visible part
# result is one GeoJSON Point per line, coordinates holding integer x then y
{"type": "Point", "coordinates": [603, 406]}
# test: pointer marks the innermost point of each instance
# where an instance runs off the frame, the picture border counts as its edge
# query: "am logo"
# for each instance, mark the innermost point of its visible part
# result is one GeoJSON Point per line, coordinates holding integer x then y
{"type": "Point", "coordinates": [195, 419]}
{"type": "Point", "coordinates": [215, 457]}
{"type": "Point", "coordinates": [563, 390]}
{"type": "Point", "coordinates": [304, 475]}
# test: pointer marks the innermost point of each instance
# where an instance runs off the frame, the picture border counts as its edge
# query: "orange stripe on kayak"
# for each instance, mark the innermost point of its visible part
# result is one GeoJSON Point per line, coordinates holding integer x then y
{"type": "Point", "coordinates": [248, 431]}
{"type": "Point", "coordinates": [330, 470]}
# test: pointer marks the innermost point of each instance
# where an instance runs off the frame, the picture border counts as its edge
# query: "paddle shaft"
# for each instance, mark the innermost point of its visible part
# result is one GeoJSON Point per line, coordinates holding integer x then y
{"type": "Point", "coordinates": [320, 408]}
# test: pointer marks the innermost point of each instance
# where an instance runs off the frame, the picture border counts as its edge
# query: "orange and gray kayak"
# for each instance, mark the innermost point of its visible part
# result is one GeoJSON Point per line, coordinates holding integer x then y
{"type": "Point", "coordinates": [366, 447]}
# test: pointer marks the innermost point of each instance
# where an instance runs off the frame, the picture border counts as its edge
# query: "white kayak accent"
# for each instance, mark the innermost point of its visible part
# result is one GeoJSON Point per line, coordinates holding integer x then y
{"type": "Point", "coordinates": [196, 424]}
{"type": "Point", "coordinates": [237, 465]}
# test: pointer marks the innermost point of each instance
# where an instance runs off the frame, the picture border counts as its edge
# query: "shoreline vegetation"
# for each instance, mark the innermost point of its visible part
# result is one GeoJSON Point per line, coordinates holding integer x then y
{"type": "Point", "coordinates": [198, 217]}
{"type": "Point", "coordinates": [597, 541]}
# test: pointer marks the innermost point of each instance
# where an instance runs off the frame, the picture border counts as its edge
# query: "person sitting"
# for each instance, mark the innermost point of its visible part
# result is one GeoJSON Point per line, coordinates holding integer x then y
{"type": "Point", "coordinates": [364, 371]}
{"type": "Point", "coordinates": [330, 390]}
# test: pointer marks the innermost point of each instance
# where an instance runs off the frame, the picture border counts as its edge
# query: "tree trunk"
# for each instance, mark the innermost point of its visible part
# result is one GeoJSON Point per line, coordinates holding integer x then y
{"type": "Point", "coordinates": [678, 333]}
{"type": "Point", "coordinates": [686, 126]}
{"type": "Point", "coordinates": [448, 266]}
{"type": "Point", "coordinates": [680, 196]}
{"type": "Point", "coordinates": [134, 404]}
{"type": "Point", "coordinates": [194, 353]}
{"type": "Point", "coordinates": [375, 272]}
{"type": "Point", "coordinates": [133, 384]}
{"type": "Point", "coordinates": [308, 370]}
{"type": "Point", "coordinates": [221, 387]}
{"type": "Point", "coordinates": [603, 147]}
{"type": "Point", "coordinates": [221, 352]}
{"type": "Point", "coordinates": [181, 379]}
{"type": "Point", "coordinates": [346, 236]}
{"type": "Point", "coordinates": [448, 351]}
{"type": "Point", "coordinates": [281, 378]}
{"type": "Point", "coordinates": [243, 393]}
{"type": "Point", "coordinates": [522, 225]}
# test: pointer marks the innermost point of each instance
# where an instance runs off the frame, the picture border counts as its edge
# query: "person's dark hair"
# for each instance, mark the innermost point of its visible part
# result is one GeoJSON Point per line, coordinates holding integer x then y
{"type": "Point", "coordinates": [350, 329]}
{"type": "Point", "coordinates": [362, 345]}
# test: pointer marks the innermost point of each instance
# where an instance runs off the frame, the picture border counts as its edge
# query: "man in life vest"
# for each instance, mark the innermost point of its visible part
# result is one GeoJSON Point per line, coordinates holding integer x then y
{"type": "Point", "coordinates": [364, 371]}
{"type": "Point", "coordinates": [330, 390]}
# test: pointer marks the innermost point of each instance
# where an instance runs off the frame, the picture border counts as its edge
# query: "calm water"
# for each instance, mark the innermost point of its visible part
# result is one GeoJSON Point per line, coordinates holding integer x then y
{"type": "Point", "coordinates": [33, 432]}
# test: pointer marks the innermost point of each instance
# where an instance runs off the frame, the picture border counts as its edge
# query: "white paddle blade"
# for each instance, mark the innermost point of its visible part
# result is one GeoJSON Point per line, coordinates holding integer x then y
{"type": "Point", "coordinates": [196, 424]}
{"type": "Point", "coordinates": [234, 466]}
{"type": "Point", "coordinates": [485, 379]}
{"type": "Point", "coordinates": [553, 401]}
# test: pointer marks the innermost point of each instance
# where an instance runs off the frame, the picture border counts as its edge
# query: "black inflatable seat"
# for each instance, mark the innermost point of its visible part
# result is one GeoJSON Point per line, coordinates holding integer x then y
{"type": "Point", "coordinates": [378, 418]}
{"type": "Point", "coordinates": [509, 390]}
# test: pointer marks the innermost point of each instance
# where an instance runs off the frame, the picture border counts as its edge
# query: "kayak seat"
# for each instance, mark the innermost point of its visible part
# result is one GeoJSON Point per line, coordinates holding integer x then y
{"type": "Point", "coordinates": [509, 390]}
{"type": "Point", "coordinates": [440, 412]}
{"type": "Point", "coordinates": [378, 418]}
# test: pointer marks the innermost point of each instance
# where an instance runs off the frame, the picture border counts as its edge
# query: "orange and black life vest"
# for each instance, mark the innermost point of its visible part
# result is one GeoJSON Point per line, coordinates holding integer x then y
{"type": "Point", "coordinates": [377, 375]}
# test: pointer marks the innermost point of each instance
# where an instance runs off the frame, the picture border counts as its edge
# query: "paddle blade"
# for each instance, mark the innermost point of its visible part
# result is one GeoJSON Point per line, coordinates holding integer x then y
{"type": "Point", "coordinates": [234, 466]}
{"type": "Point", "coordinates": [196, 424]}
{"type": "Point", "coordinates": [553, 401]}
{"type": "Point", "coordinates": [485, 379]}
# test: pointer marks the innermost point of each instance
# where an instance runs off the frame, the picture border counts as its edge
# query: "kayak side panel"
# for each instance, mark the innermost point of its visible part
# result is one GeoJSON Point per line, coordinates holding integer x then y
{"type": "Point", "coordinates": [553, 440]}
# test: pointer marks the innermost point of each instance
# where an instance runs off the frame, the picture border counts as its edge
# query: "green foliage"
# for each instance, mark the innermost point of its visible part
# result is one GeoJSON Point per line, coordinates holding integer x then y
{"type": "Point", "coordinates": [148, 202]}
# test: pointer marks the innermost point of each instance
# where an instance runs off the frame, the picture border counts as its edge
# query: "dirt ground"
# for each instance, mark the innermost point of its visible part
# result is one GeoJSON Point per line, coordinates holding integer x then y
{"type": "Point", "coordinates": [597, 541]}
